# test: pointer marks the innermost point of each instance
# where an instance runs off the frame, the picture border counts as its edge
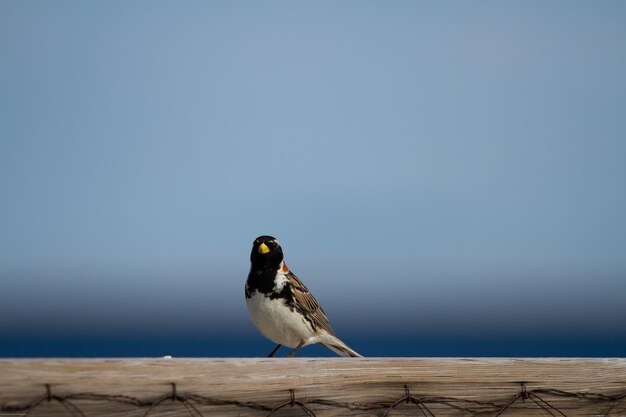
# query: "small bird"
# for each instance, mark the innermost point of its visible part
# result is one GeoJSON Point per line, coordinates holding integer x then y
{"type": "Point", "coordinates": [281, 306]}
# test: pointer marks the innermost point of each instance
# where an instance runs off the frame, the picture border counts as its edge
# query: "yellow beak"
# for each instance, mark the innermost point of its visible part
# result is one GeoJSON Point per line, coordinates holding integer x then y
{"type": "Point", "coordinates": [263, 249]}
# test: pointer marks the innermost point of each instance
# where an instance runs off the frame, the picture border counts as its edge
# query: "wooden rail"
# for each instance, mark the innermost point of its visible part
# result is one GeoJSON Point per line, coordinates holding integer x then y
{"type": "Point", "coordinates": [313, 387]}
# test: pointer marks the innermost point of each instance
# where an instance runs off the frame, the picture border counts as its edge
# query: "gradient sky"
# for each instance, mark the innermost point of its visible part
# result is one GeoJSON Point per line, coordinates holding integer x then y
{"type": "Point", "coordinates": [443, 167]}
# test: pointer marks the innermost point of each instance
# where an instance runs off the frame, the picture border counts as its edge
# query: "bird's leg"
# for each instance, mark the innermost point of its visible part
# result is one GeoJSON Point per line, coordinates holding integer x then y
{"type": "Point", "coordinates": [274, 351]}
{"type": "Point", "coordinates": [293, 352]}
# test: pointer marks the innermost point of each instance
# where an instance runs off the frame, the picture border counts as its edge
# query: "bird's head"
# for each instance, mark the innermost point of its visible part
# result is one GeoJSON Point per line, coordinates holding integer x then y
{"type": "Point", "coordinates": [266, 252]}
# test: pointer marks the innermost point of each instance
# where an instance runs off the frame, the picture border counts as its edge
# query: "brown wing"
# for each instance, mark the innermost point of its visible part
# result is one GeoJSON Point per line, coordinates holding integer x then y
{"type": "Point", "coordinates": [305, 300]}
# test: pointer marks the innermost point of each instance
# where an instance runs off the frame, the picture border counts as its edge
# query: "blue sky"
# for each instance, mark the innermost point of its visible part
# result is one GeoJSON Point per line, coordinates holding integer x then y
{"type": "Point", "coordinates": [456, 167]}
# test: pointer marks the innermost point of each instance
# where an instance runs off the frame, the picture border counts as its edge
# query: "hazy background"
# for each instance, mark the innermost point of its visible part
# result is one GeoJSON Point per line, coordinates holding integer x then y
{"type": "Point", "coordinates": [448, 178]}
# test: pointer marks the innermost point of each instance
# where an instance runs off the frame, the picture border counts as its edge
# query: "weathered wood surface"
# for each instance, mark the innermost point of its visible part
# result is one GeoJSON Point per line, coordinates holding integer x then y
{"type": "Point", "coordinates": [326, 387]}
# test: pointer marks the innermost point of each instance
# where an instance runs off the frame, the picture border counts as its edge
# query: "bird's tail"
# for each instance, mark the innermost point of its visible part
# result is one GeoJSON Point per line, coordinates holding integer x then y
{"type": "Point", "coordinates": [333, 343]}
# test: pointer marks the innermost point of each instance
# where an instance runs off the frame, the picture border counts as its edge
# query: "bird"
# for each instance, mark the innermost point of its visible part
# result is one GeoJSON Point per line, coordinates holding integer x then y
{"type": "Point", "coordinates": [281, 306]}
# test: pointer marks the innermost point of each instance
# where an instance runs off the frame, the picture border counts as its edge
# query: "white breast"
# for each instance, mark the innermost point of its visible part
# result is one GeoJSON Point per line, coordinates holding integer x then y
{"type": "Point", "coordinates": [277, 322]}
{"type": "Point", "coordinates": [280, 280]}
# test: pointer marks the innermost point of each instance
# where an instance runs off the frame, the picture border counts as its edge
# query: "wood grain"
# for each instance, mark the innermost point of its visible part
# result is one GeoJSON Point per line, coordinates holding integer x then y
{"type": "Point", "coordinates": [447, 387]}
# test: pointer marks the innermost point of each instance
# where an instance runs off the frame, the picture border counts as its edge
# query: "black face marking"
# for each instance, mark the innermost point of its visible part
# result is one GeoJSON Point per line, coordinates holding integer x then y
{"type": "Point", "coordinates": [272, 259]}
{"type": "Point", "coordinates": [264, 266]}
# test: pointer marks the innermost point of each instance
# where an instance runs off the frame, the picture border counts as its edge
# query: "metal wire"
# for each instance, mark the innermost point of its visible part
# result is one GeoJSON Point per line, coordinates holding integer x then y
{"type": "Point", "coordinates": [191, 403]}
